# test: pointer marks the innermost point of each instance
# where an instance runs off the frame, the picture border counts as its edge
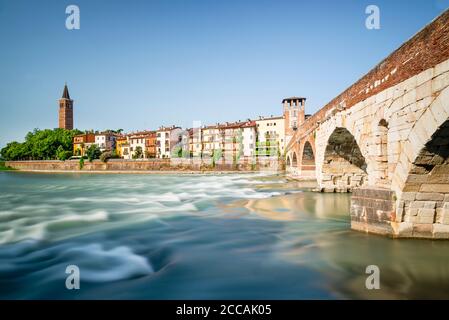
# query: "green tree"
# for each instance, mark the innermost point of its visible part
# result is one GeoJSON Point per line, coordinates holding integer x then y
{"type": "Point", "coordinates": [217, 154]}
{"type": "Point", "coordinates": [41, 145]}
{"type": "Point", "coordinates": [105, 156]}
{"type": "Point", "coordinates": [138, 154]}
{"type": "Point", "coordinates": [62, 154]}
{"type": "Point", "coordinates": [177, 152]}
{"type": "Point", "coordinates": [93, 152]}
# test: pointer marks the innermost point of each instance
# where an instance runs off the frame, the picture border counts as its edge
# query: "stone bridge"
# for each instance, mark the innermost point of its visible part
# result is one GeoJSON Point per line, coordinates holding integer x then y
{"type": "Point", "coordinates": [386, 140]}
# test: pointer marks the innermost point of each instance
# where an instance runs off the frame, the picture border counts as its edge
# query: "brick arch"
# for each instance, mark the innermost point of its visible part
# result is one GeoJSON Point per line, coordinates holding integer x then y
{"type": "Point", "coordinates": [294, 159]}
{"type": "Point", "coordinates": [307, 158]}
{"type": "Point", "coordinates": [292, 169]}
{"type": "Point", "coordinates": [344, 166]}
{"type": "Point", "coordinates": [307, 152]}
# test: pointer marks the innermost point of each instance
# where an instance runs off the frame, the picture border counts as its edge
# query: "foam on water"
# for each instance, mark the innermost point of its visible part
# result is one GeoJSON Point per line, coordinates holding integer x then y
{"type": "Point", "coordinates": [197, 237]}
{"type": "Point", "coordinates": [59, 207]}
{"type": "Point", "coordinates": [101, 265]}
{"type": "Point", "coordinates": [95, 262]}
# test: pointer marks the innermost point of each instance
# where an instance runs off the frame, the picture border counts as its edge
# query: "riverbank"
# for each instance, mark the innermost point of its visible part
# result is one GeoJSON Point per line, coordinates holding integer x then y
{"type": "Point", "coordinates": [171, 172]}
{"type": "Point", "coordinates": [161, 166]}
{"type": "Point", "coordinates": [4, 167]}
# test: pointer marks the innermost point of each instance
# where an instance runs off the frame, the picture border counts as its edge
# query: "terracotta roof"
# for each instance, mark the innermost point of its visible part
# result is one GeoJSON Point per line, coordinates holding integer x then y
{"type": "Point", "coordinates": [249, 124]}
{"type": "Point", "coordinates": [142, 134]}
{"type": "Point", "coordinates": [87, 137]}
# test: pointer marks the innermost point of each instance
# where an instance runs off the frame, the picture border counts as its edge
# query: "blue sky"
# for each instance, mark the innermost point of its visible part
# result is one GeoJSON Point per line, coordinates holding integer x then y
{"type": "Point", "coordinates": [141, 64]}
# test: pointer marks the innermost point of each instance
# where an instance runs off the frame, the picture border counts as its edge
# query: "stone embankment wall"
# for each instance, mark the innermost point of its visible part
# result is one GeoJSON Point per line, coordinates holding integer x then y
{"type": "Point", "coordinates": [268, 164]}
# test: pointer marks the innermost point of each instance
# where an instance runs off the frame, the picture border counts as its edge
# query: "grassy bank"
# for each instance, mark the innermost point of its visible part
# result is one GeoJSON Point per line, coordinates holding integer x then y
{"type": "Point", "coordinates": [5, 168]}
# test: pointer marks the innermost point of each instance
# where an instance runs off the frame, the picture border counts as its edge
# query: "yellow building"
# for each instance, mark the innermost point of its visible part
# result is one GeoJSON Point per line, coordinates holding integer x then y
{"type": "Point", "coordinates": [81, 142]}
{"type": "Point", "coordinates": [122, 146]}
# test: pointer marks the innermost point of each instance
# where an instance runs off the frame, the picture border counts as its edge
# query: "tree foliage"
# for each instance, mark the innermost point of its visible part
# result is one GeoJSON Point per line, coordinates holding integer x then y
{"type": "Point", "coordinates": [41, 145]}
{"type": "Point", "coordinates": [138, 154]}
{"type": "Point", "coordinates": [93, 152]}
{"type": "Point", "coordinates": [105, 156]}
{"type": "Point", "coordinates": [62, 154]}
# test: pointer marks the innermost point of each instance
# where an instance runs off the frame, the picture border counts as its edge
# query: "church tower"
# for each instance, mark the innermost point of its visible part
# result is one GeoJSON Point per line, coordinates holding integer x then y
{"type": "Point", "coordinates": [66, 110]}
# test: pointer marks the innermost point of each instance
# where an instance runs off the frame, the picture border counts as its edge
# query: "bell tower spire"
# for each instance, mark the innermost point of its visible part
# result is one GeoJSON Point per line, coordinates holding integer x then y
{"type": "Point", "coordinates": [66, 110]}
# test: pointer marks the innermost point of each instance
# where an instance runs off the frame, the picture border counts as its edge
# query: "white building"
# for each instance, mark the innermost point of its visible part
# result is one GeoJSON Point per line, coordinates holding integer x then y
{"type": "Point", "coordinates": [270, 136]}
{"type": "Point", "coordinates": [249, 134]}
{"type": "Point", "coordinates": [166, 139]}
{"type": "Point", "coordinates": [137, 141]}
{"type": "Point", "coordinates": [105, 141]}
{"type": "Point", "coordinates": [195, 141]}
{"type": "Point", "coordinates": [213, 140]}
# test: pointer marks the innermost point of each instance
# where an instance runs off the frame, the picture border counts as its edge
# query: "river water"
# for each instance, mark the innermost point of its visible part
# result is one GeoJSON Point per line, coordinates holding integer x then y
{"type": "Point", "coordinates": [235, 236]}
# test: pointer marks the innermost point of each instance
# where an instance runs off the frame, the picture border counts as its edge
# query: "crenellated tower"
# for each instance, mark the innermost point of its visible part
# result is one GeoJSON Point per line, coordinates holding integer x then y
{"type": "Point", "coordinates": [294, 115]}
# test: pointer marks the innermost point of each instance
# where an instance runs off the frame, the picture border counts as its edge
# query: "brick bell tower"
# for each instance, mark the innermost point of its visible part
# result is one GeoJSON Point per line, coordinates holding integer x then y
{"type": "Point", "coordinates": [66, 110]}
{"type": "Point", "coordinates": [294, 115]}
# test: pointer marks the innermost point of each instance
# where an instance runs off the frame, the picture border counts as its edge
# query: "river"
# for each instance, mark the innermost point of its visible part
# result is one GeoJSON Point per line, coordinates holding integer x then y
{"type": "Point", "coordinates": [230, 236]}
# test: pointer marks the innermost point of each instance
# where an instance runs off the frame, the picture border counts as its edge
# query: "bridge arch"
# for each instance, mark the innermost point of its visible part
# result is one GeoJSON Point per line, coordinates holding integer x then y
{"type": "Point", "coordinates": [308, 155]}
{"type": "Point", "coordinates": [294, 160]}
{"type": "Point", "coordinates": [421, 177]}
{"type": "Point", "coordinates": [425, 195]}
{"type": "Point", "coordinates": [308, 159]}
{"type": "Point", "coordinates": [426, 135]}
{"type": "Point", "coordinates": [344, 167]}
